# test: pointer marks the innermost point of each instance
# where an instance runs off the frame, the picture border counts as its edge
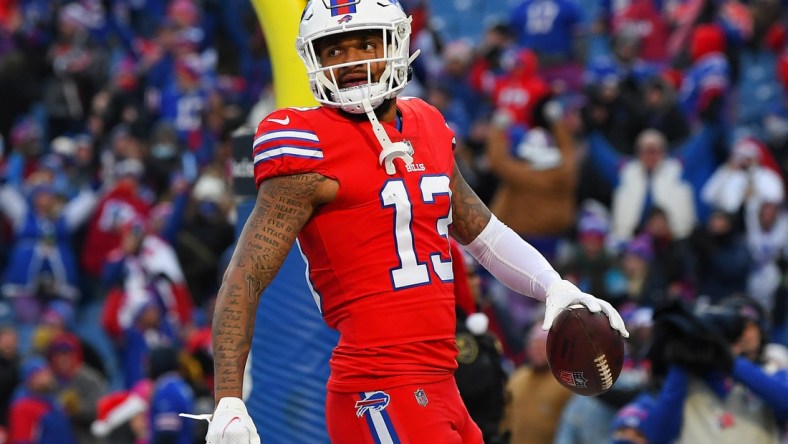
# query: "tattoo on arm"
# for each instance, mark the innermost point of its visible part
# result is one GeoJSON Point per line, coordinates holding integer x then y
{"type": "Point", "coordinates": [470, 214]}
{"type": "Point", "coordinates": [283, 206]}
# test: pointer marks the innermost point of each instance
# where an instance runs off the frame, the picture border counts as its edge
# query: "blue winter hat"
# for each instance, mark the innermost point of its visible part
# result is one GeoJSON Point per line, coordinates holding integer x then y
{"type": "Point", "coordinates": [641, 246]}
{"type": "Point", "coordinates": [591, 223]}
{"type": "Point", "coordinates": [633, 414]}
{"type": "Point", "coordinates": [31, 366]}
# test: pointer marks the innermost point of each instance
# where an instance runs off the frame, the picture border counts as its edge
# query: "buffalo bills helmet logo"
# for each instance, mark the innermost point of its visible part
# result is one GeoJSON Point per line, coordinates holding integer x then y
{"type": "Point", "coordinates": [346, 18]}
{"type": "Point", "coordinates": [372, 402]}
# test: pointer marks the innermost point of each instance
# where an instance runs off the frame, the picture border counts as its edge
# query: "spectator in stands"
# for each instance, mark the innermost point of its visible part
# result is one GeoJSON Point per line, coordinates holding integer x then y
{"type": "Point", "coordinates": [534, 399]}
{"type": "Point", "coordinates": [671, 268]}
{"type": "Point", "coordinates": [167, 160]}
{"type": "Point", "coordinates": [58, 319]}
{"type": "Point", "coordinates": [744, 180]}
{"type": "Point", "coordinates": [537, 167]}
{"type": "Point", "coordinates": [204, 234]}
{"type": "Point", "coordinates": [80, 67]}
{"type": "Point", "coordinates": [456, 114]}
{"type": "Point", "coordinates": [661, 110]}
{"type": "Point", "coordinates": [148, 301]}
{"type": "Point", "coordinates": [79, 386]}
{"type": "Point", "coordinates": [627, 425]}
{"type": "Point", "coordinates": [487, 64]}
{"type": "Point", "coordinates": [722, 261]}
{"type": "Point", "coordinates": [705, 86]}
{"type": "Point", "coordinates": [199, 346]}
{"type": "Point", "coordinates": [171, 396]}
{"type": "Point", "coordinates": [588, 262]}
{"type": "Point", "coordinates": [120, 205]}
{"type": "Point", "coordinates": [458, 57]}
{"type": "Point", "coordinates": [654, 178]}
{"type": "Point", "coordinates": [613, 85]}
{"type": "Point", "coordinates": [184, 101]}
{"type": "Point", "coordinates": [641, 285]}
{"type": "Point", "coordinates": [766, 231]}
{"type": "Point", "coordinates": [26, 146]}
{"type": "Point", "coordinates": [610, 111]}
{"type": "Point", "coordinates": [122, 418]}
{"type": "Point", "coordinates": [121, 100]}
{"type": "Point", "coordinates": [62, 164]}
{"type": "Point", "coordinates": [9, 372]}
{"type": "Point", "coordinates": [43, 265]}
{"type": "Point", "coordinates": [641, 19]}
{"type": "Point", "coordinates": [23, 44]}
{"type": "Point", "coordinates": [728, 398]}
{"type": "Point", "coordinates": [35, 416]}
{"type": "Point", "coordinates": [549, 27]}
{"type": "Point", "coordinates": [519, 90]}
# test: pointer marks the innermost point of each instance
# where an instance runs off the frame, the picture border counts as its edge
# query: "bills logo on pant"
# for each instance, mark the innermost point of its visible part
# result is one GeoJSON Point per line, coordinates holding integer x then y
{"type": "Point", "coordinates": [372, 402]}
{"type": "Point", "coordinates": [575, 379]}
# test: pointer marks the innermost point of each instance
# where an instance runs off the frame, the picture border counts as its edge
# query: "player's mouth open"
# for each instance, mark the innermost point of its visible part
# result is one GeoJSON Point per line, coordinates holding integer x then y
{"type": "Point", "coordinates": [351, 81]}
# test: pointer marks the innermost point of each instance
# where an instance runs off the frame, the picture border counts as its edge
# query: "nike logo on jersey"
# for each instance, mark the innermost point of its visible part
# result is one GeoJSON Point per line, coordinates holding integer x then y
{"type": "Point", "coordinates": [284, 121]}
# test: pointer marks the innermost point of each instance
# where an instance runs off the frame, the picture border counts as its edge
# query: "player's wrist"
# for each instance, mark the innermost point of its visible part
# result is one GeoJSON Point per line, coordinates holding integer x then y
{"type": "Point", "coordinates": [561, 286]}
{"type": "Point", "coordinates": [230, 403]}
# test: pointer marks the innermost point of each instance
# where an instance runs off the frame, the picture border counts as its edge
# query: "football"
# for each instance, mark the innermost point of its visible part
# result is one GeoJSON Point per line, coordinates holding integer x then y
{"type": "Point", "coordinates": [584, 352]}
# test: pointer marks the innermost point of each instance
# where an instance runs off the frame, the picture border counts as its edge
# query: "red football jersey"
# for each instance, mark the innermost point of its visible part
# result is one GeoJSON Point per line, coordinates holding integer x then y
{"type": "Point", "coordinates": [378, 256]}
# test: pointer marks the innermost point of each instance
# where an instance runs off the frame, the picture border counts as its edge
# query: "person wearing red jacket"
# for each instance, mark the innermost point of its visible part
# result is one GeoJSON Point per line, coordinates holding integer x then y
{"type": "Point", "coordinates": [121, 204]}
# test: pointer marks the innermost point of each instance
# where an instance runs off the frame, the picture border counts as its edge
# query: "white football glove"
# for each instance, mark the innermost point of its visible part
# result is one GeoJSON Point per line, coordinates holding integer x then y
{"type": "Point", "coordinates": [229, 424]}
{"type": "Point", "coordinates": [562, 294]}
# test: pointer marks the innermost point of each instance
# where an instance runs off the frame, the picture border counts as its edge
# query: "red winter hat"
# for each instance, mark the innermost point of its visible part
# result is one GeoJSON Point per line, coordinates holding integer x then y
{"type": "Point", "coordinates": [116, 409]}
{"type": "Point", "coordinates": [476, 321]}
{"type": "Point", "coordinates": [706, 39]}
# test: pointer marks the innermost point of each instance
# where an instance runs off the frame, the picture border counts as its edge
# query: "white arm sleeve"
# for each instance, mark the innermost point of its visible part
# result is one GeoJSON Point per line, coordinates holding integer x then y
{"type": "Point", "coordinates": [513, 261]}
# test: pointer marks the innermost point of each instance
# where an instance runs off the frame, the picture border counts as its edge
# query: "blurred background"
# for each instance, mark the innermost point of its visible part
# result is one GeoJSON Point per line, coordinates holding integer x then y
{"type": "Point", "coordinates": [640, 145]}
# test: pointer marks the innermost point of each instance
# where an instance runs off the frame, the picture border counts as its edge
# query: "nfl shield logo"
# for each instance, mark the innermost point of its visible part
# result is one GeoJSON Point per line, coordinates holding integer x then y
{"type": "Point", "coordinates": [421, 397]}
{"type": "Point", "coordinates": [574, 379]}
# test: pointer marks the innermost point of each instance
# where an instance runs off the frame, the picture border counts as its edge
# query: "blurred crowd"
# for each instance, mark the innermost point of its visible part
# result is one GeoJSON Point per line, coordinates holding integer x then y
{"type": "Point", "coordinates": [640, 145]}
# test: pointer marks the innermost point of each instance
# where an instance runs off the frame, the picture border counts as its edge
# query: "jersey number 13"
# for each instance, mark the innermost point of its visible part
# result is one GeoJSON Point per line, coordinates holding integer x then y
{"type": "Point", "coordinates": [411, 272]}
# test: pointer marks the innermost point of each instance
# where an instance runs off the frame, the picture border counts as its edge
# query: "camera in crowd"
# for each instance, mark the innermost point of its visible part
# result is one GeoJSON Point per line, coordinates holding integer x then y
{"type": "Point", "coordinates": [699, 337]}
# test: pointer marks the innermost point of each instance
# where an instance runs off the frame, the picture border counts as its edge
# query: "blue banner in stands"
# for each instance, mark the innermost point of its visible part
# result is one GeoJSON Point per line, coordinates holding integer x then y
{"type": "Point", "coordinates": [290, 353]}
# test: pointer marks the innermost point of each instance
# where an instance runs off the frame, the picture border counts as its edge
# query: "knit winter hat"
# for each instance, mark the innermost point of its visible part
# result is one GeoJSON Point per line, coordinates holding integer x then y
{"type": "Point", "coordinates": [633, 414]}
{"type": "Point", "coordinates": [32, 366]}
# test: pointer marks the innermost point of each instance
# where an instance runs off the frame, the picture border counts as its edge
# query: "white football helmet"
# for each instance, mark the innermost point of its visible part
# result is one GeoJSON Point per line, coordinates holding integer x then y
{"type": "Point", "coordinates": [322, 18]}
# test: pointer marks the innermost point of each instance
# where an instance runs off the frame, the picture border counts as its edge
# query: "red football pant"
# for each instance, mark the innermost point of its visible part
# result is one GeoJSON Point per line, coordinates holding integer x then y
{"type": "Point", "coordinates": [430, 413]}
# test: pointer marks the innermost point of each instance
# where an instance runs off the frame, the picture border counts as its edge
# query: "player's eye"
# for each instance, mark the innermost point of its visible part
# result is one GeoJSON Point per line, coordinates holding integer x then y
{"type": "Point", "coordinates": [333, 52]}
{"type": "Point", "coordinates": [368, 46]}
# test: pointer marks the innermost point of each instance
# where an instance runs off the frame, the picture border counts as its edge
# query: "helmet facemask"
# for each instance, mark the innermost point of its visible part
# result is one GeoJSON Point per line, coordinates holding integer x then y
{"type": "Point", "coordinates": [323, 79]}
{"type": "Point", "coordinates": [337, 17]}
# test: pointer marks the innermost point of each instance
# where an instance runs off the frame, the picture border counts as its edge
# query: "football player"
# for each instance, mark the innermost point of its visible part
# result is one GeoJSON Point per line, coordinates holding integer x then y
{"type": "Point", "coordinates": [367, 186]}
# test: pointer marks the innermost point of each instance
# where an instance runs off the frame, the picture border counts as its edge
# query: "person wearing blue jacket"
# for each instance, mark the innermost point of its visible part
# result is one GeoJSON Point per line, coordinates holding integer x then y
{"type": "Point", "coordinates": [743, 401]}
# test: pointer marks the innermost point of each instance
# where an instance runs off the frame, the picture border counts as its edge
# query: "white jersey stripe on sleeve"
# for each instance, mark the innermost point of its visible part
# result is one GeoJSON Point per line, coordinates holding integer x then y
{"type": "Point", "coordinates": [288, 151]}
{"type": "Point", "coordinates": [287, 134]}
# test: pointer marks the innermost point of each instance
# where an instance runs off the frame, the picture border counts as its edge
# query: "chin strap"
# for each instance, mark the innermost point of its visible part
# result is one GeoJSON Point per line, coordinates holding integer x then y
{"type": "Point", "coordinates": [391, 150]}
